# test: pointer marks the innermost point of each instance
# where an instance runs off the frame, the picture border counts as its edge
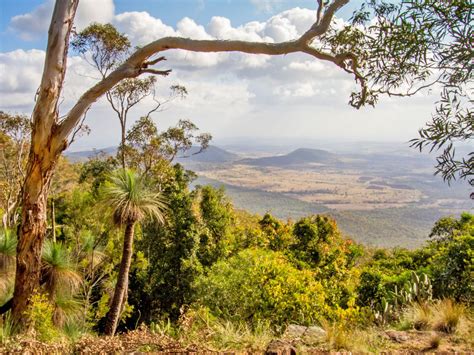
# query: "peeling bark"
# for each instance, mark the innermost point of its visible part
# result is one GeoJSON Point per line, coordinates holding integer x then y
{"type": "Point", "coordinates": [44, 154]}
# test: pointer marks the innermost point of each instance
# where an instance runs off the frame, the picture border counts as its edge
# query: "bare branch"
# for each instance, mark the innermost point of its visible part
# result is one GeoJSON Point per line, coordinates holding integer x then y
{"type": "Point", "coordinates": [156, 71]}
{"type": "Point", "coordinates": [153, 62]}
{"type": "Point", "coordinates": [319, 12]}
{"type": "Point", "coordinates": [78, 128]}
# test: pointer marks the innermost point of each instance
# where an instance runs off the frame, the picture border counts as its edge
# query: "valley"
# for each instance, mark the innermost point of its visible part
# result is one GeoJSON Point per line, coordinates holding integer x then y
{"type": "Point", "coordinates": [385, 198]}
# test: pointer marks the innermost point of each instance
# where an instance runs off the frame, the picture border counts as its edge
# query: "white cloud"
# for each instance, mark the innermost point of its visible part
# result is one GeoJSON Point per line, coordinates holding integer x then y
{"type": "Point", "coordinates": [266, 5]}
{"type": "Point", "coordinates": [141, 27]}
{"type": "Point", "coordinates": [231, 94]}
{"type": "Point", "coordinates": [101, 11]}
{"type": "Point", "coordinates": [35, 23]}
{"type": "Point", "coordinates": [20, 71]}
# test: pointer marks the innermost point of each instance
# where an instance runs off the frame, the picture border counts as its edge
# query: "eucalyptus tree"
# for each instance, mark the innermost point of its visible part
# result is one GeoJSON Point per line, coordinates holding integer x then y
{"type": "Point", "coordinates": [374, 69]}
{"type": "Point", "coordinates": [14, 140]}
{"type": "Point", "coordinates": [150, 151]}
{"type": "Point", "coordinates": [131, 201]}
{"type": "Point", "coordinates": [105, 49]}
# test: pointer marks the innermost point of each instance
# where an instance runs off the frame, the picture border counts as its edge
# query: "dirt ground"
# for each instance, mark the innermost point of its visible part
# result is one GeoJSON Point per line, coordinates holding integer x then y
{"type": "Point", "coordinates": [144, 342]}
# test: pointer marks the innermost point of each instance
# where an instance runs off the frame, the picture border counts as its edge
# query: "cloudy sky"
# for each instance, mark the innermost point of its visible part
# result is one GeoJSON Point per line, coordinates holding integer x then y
{"type": "Point", "coordinates": [230, 95]}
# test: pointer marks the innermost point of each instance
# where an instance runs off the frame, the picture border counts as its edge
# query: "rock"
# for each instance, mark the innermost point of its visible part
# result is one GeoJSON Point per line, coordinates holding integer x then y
{"type": "Point", "coordinates": [397, 336]}
{"type": "Point", "coordinates": [309, 334]}
{"type": "Point", "coordinates": [294, 331]}
{"type": "Point", "coordinates": [280, 347]}
{"type": "Point", "coordinates": [314, 333]}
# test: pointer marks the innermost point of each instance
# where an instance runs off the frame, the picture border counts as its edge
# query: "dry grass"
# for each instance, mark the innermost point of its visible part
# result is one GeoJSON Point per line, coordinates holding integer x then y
{"type": "Point", "coordinates": [328, 186]}
{"type": "Point", "coordinates": [448, 316]}
{"type": "Point", "coordinates": [444, 316]}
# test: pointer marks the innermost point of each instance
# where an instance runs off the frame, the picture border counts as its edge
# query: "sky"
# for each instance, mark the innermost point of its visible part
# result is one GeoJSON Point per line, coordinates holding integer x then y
{"type": "Point", "coordinates": [231, 96]}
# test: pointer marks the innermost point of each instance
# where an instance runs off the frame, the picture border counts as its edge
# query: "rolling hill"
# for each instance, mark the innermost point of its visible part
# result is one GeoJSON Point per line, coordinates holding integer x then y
{"type": "Point", "coordinates": [212, 154]}
{"type": "Point", "coordinates": [297, 157]}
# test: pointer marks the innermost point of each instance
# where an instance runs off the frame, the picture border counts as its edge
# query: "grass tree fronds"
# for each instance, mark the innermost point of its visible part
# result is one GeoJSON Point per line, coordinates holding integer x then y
{"type": "Point", "coordinates": [131, 199]}
{"type": "Point", "coordinates": [59, 275]}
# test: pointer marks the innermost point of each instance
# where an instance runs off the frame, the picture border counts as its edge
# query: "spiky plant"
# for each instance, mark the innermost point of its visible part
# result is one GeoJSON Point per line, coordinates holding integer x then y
{"type": "Point", "coordinates": [59, 276]}
{"type": "Point", "coordinates": [66, 309]}
{"type": "Point", "coordinates": [131, 200]}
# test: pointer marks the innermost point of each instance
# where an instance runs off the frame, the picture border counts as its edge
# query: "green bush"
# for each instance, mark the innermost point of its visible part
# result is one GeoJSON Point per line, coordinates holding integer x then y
{"type": "Point", "coordinates": [257, 284]}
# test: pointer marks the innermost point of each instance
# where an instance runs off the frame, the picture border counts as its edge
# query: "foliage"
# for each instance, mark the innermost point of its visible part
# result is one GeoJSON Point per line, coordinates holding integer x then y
{"type": "Point", "coordinates": [404, 47]}
{"type": "Point", "coordinates": [6, 327]}
{"type": "Point", "coordinates": [59, 276]}
{"type": "Point", "coordinates": [151, 151]}
{"type": "Point", "coordinates": [8, 243]}
{"type": "Point", "coordinates": [453, 269]}
{"type": "Point", "coordinates": [257, 284]}
{"type": "Point", "coordinates": [442, 315]}
{"type": "Point", "coordinates": [107, 47]}
{"type": "Point", "coordinates": [40, 312]}
{"type": "Point", "coordinates": [171, 251]}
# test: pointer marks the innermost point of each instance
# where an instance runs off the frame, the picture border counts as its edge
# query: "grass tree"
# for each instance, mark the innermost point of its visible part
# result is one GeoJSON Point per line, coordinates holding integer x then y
{"type": "Point", "coordinates": [60, 280]}
{"type": "Point", "coordinates": [130, 199]}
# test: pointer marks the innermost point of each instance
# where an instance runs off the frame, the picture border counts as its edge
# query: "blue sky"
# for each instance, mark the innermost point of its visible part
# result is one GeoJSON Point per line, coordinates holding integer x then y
{"type": "Point", "coordinates": [230, 95]}
{"type": "Point", "coordinates": [170, 11]}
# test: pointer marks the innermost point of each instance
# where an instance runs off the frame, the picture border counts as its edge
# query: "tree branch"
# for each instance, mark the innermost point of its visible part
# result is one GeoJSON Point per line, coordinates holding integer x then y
{"type": "Point", "coordinates": [156, 71]}
{"type": "Point", "coordinates": [137, 63]}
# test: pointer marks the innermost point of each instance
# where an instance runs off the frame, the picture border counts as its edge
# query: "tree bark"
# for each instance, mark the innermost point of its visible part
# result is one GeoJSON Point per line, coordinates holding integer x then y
{"type": "Point", "coordinates": [45, 149]}
{"type": "Point", "coordinates": [113, 315]}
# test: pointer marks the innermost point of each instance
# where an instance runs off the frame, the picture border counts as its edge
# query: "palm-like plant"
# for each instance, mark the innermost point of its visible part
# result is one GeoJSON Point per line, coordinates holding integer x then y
{"type": "Point", "coordinates": [58, 270]}
{"type": "Point", "coordinates": [60, 280]}
{"type": "Point", "coordinates": [127, 194]}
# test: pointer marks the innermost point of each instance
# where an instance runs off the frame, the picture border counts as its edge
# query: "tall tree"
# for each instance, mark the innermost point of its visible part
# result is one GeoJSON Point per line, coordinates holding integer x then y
{"type": "Point", "coordinates": [51, 132]}
{"type": "Point", "coordinates": [131, 201]}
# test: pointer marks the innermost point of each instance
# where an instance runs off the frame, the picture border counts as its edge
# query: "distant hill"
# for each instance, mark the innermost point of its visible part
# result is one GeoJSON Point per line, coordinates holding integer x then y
{"type": "Point", "coordinates": [212, 154]}
{"type": "Point", "coordinates": [84, 155]}
{"type": "Point", "coordinates": [297, 157]}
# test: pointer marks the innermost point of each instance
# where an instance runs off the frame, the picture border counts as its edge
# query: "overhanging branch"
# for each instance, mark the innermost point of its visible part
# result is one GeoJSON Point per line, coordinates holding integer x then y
{"type": "Point", "coordinates": [138, 62]}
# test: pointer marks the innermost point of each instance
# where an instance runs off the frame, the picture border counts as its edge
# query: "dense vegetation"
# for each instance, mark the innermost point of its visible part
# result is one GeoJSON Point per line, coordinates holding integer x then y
{"type": "Point", "coordinates": [197, 262]}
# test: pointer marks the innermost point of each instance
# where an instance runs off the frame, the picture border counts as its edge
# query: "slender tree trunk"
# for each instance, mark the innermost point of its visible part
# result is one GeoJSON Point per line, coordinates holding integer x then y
{"type": "Point", "coordinates": [113, 315]}
{"type": "Point", "coordinates": [53, 221]}
{"type": "Point", "coordinates": [122, 142]}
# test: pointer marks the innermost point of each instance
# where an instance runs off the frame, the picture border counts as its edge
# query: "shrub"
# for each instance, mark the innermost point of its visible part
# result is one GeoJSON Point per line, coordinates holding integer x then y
{"type": "Point", "coordinates": [257, 284]}
{"type": "Point", "coordinates": [40, 312]}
